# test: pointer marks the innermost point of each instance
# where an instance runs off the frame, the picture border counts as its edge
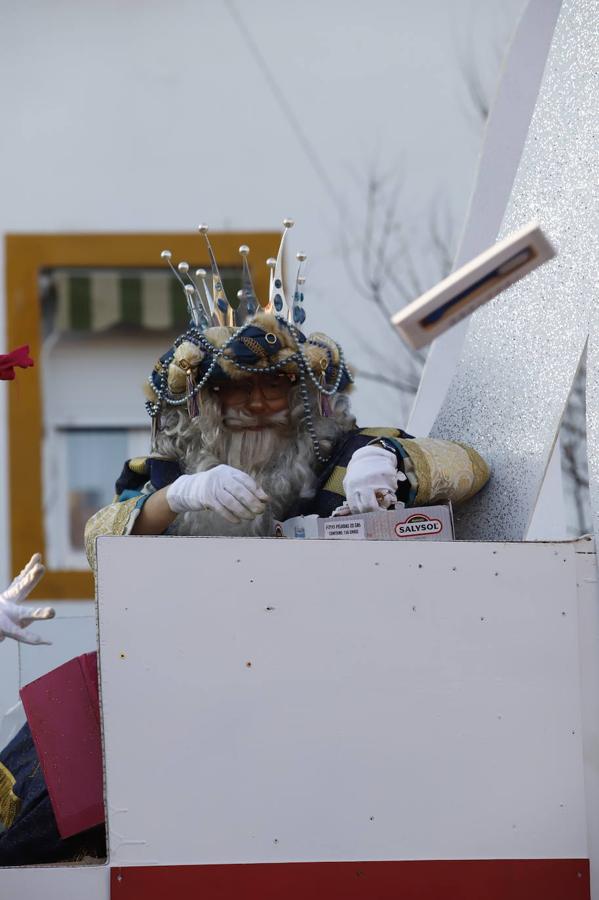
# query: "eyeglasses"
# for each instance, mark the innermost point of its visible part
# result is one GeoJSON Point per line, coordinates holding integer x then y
{"type": "Point", "coordinates": [240, 392]}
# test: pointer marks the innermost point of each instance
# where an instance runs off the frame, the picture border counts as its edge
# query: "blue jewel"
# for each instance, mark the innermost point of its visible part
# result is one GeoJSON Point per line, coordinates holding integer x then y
{"type": "Point", "coordinates": [277, 283]}
{"type": "Point", "coordinates": [278, 302]}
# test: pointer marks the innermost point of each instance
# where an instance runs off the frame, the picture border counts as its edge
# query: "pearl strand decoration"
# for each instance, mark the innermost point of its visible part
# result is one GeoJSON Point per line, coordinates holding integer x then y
{"type": "Point", "coordinates": [308, 418]}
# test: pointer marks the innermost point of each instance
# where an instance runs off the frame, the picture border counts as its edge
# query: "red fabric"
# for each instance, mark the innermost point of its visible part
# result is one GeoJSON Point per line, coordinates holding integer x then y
{"type": "Point", "coordinates": [63, 714]}
{"type": "Point", "coordinates": [454, 879]}
{"type": "Point", "coordinates": [19, 357]}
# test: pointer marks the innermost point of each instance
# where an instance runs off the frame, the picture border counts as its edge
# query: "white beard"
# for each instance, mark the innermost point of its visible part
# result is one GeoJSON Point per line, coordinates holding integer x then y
{"type": "Point", "coordinates": [253, 451]}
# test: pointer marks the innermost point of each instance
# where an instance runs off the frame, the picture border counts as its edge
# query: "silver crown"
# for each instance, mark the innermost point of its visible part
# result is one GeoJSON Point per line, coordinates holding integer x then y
{"type": "Point", "coordinates": [208, 303]}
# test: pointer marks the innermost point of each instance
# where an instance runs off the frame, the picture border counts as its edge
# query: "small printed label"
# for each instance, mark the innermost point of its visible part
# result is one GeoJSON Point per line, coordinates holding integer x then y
{"type": "Point", "coordinates": [418, 526]}
{"type": "Point", "coordinates": [346, 529]}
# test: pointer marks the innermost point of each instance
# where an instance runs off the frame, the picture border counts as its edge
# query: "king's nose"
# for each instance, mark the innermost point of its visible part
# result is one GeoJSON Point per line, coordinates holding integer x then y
{"type": "Point", "coordinates": [256, 401]}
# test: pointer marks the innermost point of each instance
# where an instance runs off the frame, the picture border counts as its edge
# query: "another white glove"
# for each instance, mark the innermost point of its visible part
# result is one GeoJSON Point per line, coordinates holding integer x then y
{"type": "Point", "coordinates": [226, 490]}
{"type": "Point", "coordinates": [15, 618]}
{"type": "Point", "coordinates": [371, 479]}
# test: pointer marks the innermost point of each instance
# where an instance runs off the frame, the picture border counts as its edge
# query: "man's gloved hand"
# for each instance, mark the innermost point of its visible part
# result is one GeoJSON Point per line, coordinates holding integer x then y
{"type": "Point", "coordinates": [371, 479]}
{"type": "Point", "coordinates": [15, 618]}
{"type": "Point", "coordinates": [225, 490]}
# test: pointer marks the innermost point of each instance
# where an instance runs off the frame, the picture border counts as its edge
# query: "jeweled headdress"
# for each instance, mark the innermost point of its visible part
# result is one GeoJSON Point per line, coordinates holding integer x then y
{"type": "Point", "coordinates": [233, 338]}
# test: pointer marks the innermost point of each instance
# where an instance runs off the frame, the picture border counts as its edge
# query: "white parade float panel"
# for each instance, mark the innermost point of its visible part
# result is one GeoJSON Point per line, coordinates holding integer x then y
{"type": "Point", "coordinates": [270, 701]}
{"type": "Point", "coordinates": [68, 882]}
{"type": "Point", "coordinates": [273, 701]}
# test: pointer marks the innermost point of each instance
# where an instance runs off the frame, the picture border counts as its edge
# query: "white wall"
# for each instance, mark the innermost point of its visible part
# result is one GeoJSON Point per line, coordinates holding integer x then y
{"type": "Point", "coordinates": [410, 721]}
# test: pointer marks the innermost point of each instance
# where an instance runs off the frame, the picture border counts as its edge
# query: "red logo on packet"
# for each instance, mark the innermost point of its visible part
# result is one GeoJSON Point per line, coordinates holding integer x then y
{"type": "Point", "coordinates": [418, 525]}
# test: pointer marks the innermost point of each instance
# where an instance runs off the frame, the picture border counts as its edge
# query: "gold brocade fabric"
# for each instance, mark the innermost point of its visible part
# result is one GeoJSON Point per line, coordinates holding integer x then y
{"type": "Point", "coordinates": [445, 470]}
{"type": "Point", "coordinates": [335, 481]}
{"type": "Point", "coordinates": [116, 519]}
{"type": "Point", "coordinates": [480, 469]}
{"type": "Point", "coordinates": [9, 802]}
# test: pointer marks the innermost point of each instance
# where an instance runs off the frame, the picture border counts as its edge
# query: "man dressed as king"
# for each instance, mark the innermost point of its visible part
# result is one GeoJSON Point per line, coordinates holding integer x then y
{"type": "Point", "coordinates": [252, 424]}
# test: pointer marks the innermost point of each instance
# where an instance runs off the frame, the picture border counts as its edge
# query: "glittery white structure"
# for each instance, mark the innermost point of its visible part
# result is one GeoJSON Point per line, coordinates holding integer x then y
{"type": "Point", "coordinates": [592, 402]}
{"type": "Point", "coordinates": [522, 350]}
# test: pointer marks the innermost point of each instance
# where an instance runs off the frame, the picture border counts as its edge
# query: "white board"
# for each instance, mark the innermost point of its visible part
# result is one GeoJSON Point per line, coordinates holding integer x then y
{"type": "Point", "coordinates": [55, 883]}
{"type": "Point", "coordinates": [289, 700]}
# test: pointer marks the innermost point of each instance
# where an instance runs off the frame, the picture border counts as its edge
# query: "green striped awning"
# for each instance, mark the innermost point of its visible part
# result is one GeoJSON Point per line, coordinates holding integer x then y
{"type": "Point", "coordinates": [94, 300]}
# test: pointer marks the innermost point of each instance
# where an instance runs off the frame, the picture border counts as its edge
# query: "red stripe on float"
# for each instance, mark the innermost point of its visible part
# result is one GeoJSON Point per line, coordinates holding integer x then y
{"type": "Point", "coordinates": [487, 879]}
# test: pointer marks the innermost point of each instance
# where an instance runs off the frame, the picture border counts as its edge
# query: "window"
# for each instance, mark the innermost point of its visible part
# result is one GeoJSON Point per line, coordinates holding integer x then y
{"type": "Point", "coordinates": [96, 311]}
{"type": "Point", "coordinates": [82, 466]}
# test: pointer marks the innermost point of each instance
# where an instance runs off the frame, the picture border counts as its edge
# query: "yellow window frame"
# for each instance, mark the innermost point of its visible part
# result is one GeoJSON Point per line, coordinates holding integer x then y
{"type": "Point", "coordinates": [26, 255]}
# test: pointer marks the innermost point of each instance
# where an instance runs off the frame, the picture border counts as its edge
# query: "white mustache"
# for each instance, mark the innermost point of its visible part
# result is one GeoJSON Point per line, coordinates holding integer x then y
{"type": "Point", "coordinates": [246, 420]}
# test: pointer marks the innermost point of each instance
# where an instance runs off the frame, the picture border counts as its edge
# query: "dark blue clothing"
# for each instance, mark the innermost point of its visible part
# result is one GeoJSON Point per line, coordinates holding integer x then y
{"type": "Point", "coordinates": [33, 837]}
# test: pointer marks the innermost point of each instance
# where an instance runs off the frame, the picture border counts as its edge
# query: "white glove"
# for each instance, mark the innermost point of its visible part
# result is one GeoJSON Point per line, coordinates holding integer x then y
{"type": "Point", "coordinates": [226, 490]}
{"type": "Point", "coordinates": [14, 618]}
{"type": "Point", "coordinates": [371, 479]}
